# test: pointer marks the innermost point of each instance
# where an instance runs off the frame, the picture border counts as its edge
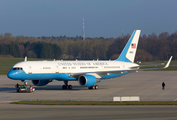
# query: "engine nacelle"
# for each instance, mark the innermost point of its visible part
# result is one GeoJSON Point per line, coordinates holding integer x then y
{"type": "Point", "coordinates": [87, 80]}
{"type": "Point", "coordinates": [40, 82]}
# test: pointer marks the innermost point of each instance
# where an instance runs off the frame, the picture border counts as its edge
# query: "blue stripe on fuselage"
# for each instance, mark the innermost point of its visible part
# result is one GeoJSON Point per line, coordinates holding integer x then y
{"type": "Point", "coordinates": [21, 75]}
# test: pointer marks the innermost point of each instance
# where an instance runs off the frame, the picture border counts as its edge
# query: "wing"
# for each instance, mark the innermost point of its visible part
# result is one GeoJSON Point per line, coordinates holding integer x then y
{"type": "Point", "coordinates": [100, 74]}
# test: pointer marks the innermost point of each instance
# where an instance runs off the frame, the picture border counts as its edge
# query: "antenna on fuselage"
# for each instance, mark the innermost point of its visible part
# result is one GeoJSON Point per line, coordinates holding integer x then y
{"type": "Point", "coordinates": [25, 58]}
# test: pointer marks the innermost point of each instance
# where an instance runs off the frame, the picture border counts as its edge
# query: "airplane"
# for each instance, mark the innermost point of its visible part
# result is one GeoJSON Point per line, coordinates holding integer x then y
{"type": "Point", "coordinates": [87, 73]}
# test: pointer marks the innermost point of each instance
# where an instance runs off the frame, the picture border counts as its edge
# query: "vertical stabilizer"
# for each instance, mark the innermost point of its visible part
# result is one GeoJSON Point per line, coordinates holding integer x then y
{"type": "Point", "coordinates": [129, 51]}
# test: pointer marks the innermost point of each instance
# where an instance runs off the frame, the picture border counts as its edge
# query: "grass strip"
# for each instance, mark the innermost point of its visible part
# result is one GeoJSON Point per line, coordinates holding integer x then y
{"type": "Point", "coordinates": [170, 68]}
{"type": "Point", "coordinates": [46, 102]}
{"type": "Point", "coordinates": [3, 72]}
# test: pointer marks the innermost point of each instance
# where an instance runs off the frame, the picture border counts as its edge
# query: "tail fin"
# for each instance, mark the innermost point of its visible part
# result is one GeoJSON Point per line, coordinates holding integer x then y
{"type": "Point", "coordinates": [129, 51]}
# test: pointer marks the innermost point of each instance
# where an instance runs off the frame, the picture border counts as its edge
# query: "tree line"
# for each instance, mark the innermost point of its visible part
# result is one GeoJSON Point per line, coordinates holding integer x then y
{"type": "Point", "coordinates": [32, 50]}
{"type": "Point", "coordinates": [150, 48]}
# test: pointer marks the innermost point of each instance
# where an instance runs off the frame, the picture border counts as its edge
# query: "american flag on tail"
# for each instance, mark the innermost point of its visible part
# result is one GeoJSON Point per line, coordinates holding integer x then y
{"type": "Point", "coordinates": [133, 45]}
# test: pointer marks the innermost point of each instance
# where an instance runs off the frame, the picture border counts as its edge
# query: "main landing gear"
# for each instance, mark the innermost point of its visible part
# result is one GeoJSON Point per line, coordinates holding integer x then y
{"type": "Point", "coordinates": [94, 87]}
{"type": "Point", "coordinates": [66, 86]}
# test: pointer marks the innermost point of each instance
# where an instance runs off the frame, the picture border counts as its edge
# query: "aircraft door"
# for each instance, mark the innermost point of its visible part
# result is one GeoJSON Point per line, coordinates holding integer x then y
{"type": "Point", "coordinates": [122, 66]}
{"type": "Point", "coordinates": [57, 69]}
{"type": "Point", "coordinates": [29, 69]}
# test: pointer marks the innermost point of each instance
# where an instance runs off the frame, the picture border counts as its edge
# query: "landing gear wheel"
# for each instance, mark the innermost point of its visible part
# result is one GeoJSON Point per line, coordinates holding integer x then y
{"type": "Point", "coordinates": [69, 87]}
{"type": "Point", "coordinates": [89, 87]}
{"type": "Point", "coordinates": [94, 87]}
{"type": "Point", "coordinates": [64, 87]}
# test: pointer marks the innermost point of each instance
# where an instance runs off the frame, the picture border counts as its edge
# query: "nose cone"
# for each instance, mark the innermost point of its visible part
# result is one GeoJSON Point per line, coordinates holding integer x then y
{"type": "Point", "coordinates": [12, 74]}
{"type": "Point", "coordinates": [15, 74]}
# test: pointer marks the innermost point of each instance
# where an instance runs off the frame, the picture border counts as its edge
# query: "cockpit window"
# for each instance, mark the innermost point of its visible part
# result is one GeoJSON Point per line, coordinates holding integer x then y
{"type": "Point", "coordinates": [17, 68]}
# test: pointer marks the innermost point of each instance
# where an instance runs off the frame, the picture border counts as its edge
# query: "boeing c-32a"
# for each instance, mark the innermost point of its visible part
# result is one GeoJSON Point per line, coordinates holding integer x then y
{"type": "Point", "coordinates": [87, 73]}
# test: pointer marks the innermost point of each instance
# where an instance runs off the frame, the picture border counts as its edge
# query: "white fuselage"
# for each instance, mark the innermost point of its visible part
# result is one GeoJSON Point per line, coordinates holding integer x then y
{"type": "Point", "coordinates": [52, 67]}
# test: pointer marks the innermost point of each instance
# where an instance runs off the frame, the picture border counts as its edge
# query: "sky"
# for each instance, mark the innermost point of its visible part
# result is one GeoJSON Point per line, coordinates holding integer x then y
{"type": "Point", "coordinates": [103, 18]}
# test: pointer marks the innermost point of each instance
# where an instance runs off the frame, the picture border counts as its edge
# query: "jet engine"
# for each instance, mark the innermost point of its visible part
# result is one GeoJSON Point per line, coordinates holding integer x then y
{"type": "Point", "coordinates": [87, 80]}
{"type": "Point", "coordinates": [40, 82]}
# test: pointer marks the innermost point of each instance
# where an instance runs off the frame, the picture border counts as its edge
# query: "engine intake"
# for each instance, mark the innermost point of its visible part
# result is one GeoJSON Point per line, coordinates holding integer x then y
{"type": "Point", "coordinates": [87, 80]}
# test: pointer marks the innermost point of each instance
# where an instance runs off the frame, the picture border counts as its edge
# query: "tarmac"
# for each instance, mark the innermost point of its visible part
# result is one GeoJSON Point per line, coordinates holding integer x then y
{"type": "Point", "coordinates": [145, 84]}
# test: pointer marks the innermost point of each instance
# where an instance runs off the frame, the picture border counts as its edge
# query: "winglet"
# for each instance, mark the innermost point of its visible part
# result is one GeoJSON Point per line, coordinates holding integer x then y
{"type": "Point", "coordinates": [168, 63]}
{"type": "Point", "coordinates": [25, 58]}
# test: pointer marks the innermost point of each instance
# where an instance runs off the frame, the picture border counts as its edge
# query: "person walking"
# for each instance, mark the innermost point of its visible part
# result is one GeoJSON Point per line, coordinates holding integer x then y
{"type": "Point", "coordinates": [17, 85]}
{"type": "Point", "coordinates": [163, 86]}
